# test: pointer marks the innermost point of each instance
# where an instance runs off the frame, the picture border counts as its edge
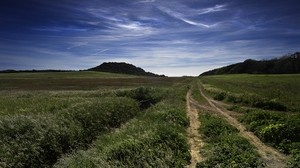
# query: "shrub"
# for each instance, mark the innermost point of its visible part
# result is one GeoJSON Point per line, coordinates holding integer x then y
{"type": "Point", "coordinates": [146, 96]}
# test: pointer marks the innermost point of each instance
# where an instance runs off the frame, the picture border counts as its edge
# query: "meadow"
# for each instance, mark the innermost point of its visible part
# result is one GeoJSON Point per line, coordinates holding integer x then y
{"type": "Point", "coordinates": [268, 106]}
{"type": "Point", "coordinates": [46, 117]}
{"type": "Point", "coordinates": [95, 119]}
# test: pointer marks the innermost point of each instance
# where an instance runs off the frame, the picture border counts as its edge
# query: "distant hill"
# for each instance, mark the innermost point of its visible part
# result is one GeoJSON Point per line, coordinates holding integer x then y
{"type": "Point", "coordinates": [123, 68]}
{"type": "Point", "coordinates": [288, 64]}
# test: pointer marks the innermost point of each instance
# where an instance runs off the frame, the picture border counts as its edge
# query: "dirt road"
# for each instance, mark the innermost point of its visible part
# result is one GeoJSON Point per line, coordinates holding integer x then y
{"type": "Point", "coordinates": [194, 137]}
{"type": "Point", "coordinates": [270, 156]}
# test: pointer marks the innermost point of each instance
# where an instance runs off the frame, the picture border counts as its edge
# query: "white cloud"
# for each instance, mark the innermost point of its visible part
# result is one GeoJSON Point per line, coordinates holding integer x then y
{"type": "Point", "coordinates": [181, 17]}
{"type": "Point", "coordinates": [146, 1]}
{"type": "Point", "coordinates": [214, 9]}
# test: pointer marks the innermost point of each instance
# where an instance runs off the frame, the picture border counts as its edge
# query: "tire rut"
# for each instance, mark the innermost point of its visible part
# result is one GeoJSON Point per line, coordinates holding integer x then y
{"type": "Point", "coordinates": [270, 156]}
{"type": "Point", "coordinates": [194, 138]}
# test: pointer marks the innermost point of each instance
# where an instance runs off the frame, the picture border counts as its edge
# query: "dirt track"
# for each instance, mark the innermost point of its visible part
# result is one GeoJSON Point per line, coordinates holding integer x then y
{"type": "Point", "coordinates": [270, 156]}
{"type": "Point", "coordinates": [194, 137]}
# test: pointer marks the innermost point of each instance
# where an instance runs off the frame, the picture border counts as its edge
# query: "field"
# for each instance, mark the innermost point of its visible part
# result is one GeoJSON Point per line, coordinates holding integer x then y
{"type": "Point", "coordinates": [267, 105]}
{"type": "Point", "coordinates": [49, 118]}
{"type": "Point", "coordinates": [94, 119]}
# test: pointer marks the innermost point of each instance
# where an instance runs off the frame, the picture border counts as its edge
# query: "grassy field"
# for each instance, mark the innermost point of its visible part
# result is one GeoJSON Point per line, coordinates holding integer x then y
{"type": "Point", "coordinates": [283, 89]}
{"type": "Point", "coordinates": [92, 119]}
{"type": "Point", "coordinates": [269, 106]}
{"type": "Point", "coordinates": [45, 116]}
{"type": "Point", "coordinates": [84, 80]}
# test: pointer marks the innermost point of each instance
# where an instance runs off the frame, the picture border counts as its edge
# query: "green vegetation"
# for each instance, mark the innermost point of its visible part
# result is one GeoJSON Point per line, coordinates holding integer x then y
{"type": "Point", "coordinates": [83, 80]}
{"type": "Point", "coordinates": [224, 147]}
{"type": "Point", "coordinates": [269, 104]}
{"type": "Point", "coordinates": [278, 129]}
{"type": "Point", "coordinates": [275, 92]}
{"type": "Point", "coordinates": [47, 115]}
{"type": "Point", "coordinates": [122, 68]}
{"type": "Point", "coordinates": [196, 93]}
{"type": "Point", "coordinates": [38, 140]}
{"type": "Point", "coordinates": [289, 64]}
{"type": "Point", "coordinates": [156, 138]}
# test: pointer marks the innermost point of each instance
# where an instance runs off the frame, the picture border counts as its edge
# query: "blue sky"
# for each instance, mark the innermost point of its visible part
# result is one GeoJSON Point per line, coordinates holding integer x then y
{"type": "Point", "coordinates": [171, 37]}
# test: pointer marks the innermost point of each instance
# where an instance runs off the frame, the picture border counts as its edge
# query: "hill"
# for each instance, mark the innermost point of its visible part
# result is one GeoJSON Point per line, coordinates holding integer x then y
{"type": "Point", "coordinates": [289, 64]}
{"type": "Point", "coordinates": [122, 68]}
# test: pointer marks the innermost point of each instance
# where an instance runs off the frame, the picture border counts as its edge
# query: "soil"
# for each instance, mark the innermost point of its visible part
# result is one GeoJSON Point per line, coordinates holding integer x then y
{"type": "Point", "coordinates": [194, 138]}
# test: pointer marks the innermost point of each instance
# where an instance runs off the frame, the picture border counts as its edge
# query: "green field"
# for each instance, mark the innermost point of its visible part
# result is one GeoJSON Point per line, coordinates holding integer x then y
{"type": "Point", "coordinates": [269, 106]}
{"type": "Point", "coordinates": [84, 80]}
{"type": "Point", "coordinates": [94, 119]}
{"type": "Point", "coordinates": [47, 116]}
{"type": "Point", "coordinates": [283, 89]}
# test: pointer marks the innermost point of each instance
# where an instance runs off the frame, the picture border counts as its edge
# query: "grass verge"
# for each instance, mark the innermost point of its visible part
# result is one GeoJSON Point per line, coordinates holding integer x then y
{"type": "Point", "coordinates": [224, 147]}
{"type": "Point", "coordinates": [277, 129]}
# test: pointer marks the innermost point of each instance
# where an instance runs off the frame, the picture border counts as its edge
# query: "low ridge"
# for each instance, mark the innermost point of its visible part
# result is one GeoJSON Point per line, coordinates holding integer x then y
{"type": "Point", "coordinates": [123, 68]}
{"type": "Point", "coordinates": [289, 64]}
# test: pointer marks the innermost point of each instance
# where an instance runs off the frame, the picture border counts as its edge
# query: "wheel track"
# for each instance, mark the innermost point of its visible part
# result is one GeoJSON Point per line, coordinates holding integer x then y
{"type": "Point", "coordinates": [194, 138]}
{"type": "Point", "coordinates": [270, 156]}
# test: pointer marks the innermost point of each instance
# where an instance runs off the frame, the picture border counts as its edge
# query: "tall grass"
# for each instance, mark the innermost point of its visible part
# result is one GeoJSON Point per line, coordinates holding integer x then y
{"type": "Point", "coordinates": [38, 140]}
{"type": "Point", "coordinates": [156, 138]}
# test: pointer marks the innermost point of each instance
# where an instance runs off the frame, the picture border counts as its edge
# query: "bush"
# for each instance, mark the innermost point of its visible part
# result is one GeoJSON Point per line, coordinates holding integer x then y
{"type": "Point", "coordinates": [145, 95]}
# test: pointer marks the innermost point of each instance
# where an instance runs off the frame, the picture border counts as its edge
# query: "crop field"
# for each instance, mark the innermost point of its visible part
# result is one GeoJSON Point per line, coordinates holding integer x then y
{"type": "Point", "coordinates": [268, 105]}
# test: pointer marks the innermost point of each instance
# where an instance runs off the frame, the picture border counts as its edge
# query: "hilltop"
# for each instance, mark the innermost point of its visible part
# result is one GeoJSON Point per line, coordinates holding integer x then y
{"type": "Point", "coordinates": [289, 64]}
{"type": "Point", "coordinates": [122, 68]}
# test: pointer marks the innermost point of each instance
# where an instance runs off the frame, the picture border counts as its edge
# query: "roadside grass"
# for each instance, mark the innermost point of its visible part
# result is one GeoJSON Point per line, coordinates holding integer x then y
{"type": "Point", "coordinates": [281, 89]}
{"type": "Point", "coordinates": [224, 147]}
{"type": "Point", "coordinates": [248, 99]}
{"type": "Point", "coordinates": [156, 138]}
{"type": "Point", "coordinates": [196, 93]}
{"type": "Point", "coordinates": [277, 129]}
{"type": "Point", "coordinates": [269, 105]}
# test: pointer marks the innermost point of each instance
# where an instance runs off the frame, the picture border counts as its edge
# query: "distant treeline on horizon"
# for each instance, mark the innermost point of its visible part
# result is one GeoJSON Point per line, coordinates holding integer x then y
{"type": "Point", "coordinates": [288, 64]}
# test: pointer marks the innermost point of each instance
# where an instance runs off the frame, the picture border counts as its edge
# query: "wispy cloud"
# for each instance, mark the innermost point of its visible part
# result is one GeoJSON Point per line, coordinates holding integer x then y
{"type": "Point", "coordinates": [181, 17]}
{"type": "Point", "coordinates": [146, 1]}
{"type": "Point", "coordinates": [216, 8]}
{"type": "Point", "coordinates": [178, 37]}
{"type": "Point", "coordinates": [59, 29]}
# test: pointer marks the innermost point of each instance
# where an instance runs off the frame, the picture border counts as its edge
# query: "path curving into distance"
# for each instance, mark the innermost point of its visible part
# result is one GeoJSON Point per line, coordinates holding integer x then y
{"type": "Point", "coordinates": [271, 157]}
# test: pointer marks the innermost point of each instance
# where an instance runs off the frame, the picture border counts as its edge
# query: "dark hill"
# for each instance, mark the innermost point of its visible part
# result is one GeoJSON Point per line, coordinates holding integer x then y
{"type": "Point", "coordinates": [284, 65]}
{"type": "Point", "coordinates": [123, 68]}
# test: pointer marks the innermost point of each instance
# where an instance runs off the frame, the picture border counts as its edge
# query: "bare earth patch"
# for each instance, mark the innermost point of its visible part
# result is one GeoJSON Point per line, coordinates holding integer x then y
{"type": "Point", "coordinates": [194, 137]}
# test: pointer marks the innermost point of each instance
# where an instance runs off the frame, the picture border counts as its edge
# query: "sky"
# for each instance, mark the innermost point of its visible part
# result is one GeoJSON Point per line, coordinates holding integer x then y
{"type": "Point", "coordinates": [171, 37]}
